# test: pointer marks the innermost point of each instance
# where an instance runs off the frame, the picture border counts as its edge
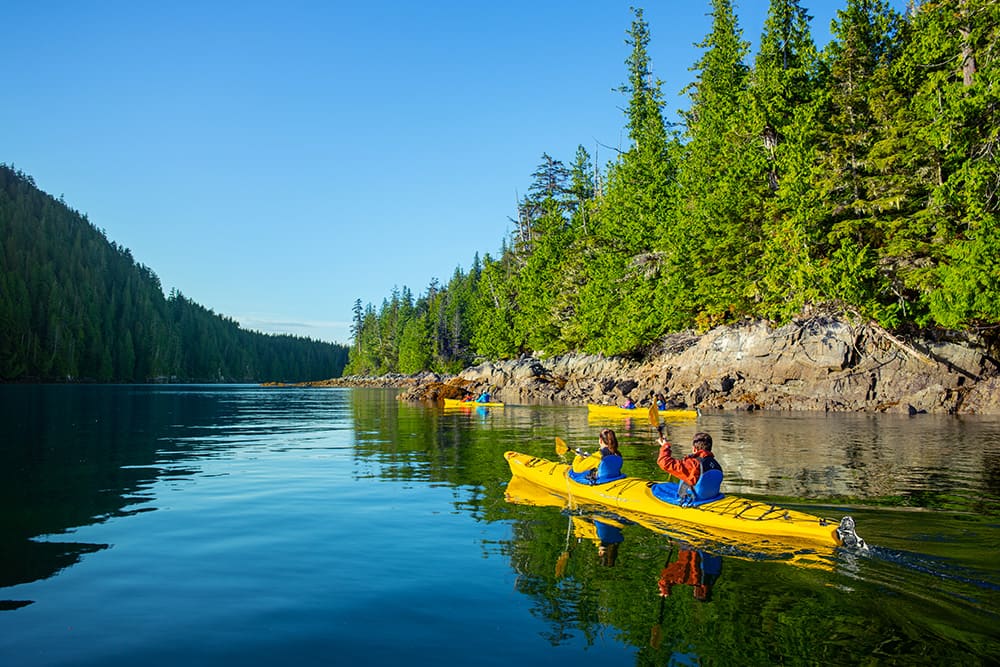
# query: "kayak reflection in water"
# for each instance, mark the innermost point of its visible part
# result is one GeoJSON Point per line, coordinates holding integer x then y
{"type": "Point", "coordinates": [609, 537]}
{"type": "Point", "coordinates": [698, 569]}
{"type": "Point", "coordinates": [605, 533]}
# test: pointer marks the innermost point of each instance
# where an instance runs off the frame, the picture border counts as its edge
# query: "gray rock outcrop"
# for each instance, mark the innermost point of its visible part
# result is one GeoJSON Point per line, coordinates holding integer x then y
{"type": "Point", "coordinates": [821, 363]}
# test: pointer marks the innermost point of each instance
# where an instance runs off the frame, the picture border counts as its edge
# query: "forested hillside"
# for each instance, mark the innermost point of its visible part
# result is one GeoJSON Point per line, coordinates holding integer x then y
{"type": "Point", "coordinates": [862, 177]}
{"type": "Point", "coordinates": [76, 307]}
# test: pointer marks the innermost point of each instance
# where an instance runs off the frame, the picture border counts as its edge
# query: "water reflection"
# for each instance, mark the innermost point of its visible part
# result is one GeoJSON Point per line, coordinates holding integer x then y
{"type": "Point", "coordinates": [69, 458]}
{"type": "Point", "coordinates": [73, 456]}
{"type": "Point", "coordinates": [694, 568]}
{"type": "Point", "coordinates": [420, 481]}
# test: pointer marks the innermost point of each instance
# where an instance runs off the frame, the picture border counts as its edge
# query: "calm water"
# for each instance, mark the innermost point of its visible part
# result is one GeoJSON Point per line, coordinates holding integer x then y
{"type": "Point", "coordinates": [240, 525]}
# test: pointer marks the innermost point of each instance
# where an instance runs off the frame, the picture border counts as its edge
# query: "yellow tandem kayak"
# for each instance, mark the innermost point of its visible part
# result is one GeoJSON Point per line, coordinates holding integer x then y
{"type": "Point", "coordinates": [457, 403]}
{"type": "Point", "coordinates": [594, 410]}
{"type": "Point", "coordinates": [754, 520]}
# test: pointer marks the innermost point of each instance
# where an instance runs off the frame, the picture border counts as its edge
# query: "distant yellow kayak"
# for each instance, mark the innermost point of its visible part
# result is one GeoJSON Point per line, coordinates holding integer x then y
{"type": "Point", "coordinates": [638, 412]}
{"type": "Point", "coordinates": [457, 403]}
{"type": "Point", "coordinates": [755, 520]}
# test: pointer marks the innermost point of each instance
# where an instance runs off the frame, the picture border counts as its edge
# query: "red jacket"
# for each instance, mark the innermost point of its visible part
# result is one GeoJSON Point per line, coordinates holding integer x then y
{"type": "Point", "coordinates": [687, 469]}
{"type": "Point", "coordinates": [684, 571]}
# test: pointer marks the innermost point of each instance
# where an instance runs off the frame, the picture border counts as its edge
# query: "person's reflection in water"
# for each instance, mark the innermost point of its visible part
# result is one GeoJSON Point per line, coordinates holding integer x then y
{"type": "Point", "coordinates": [697, 569]}
{"type": "Point", "coordinates": [609, 537]}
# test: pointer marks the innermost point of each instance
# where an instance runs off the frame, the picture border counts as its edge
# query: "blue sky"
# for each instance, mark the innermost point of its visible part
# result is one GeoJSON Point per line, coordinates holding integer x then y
{"type": "Point", "coordinates": [277, 161]}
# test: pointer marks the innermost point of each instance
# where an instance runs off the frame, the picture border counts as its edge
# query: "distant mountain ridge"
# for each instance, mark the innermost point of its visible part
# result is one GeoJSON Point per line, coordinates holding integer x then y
{"type": "Point", "coordinates": [75, 306]}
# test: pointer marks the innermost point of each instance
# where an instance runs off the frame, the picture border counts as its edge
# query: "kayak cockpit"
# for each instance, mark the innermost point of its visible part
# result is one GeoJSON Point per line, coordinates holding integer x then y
{"type": "Point", "coordinates": [671, 492]}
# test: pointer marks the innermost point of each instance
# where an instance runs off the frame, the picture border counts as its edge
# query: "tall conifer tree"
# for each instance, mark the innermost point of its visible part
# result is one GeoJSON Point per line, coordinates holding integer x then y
{"type": "Point", "coordinates": [720, 234]}
{"type": "Point", "coordinates": [866, 43]}
{"type": "Point", "coordinates": [786, 86]}
{"type": "Point", "coordinates": [619, 305]}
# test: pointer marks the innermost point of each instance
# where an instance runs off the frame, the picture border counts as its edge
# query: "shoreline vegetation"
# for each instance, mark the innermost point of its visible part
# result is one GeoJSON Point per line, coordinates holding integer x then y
{"type": "Point", "coordinates": [826, 217]}
{"type": "Point", "coordinates": [820, 232]}
{"type": "Point", "coordinates": [820, 363]}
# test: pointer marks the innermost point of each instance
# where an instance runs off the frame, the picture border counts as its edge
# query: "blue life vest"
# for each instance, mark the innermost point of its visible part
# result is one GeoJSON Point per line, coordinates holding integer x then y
{"type": "Point", "coordinates": [609, 470]}
{"type": "Point", "coordinates": [608, 534]}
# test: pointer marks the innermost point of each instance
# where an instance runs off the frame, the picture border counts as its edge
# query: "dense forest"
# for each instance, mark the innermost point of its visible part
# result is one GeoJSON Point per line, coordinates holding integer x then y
{"type": "Point", "coordinates": [76, 307]}
{"type": "Point", "coordinates": [860, 178]}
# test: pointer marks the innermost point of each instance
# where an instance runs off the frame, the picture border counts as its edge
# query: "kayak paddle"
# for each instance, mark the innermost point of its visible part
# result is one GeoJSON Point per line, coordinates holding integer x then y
{"type": "Point", "coordinates": [564, 556]}
{"type": "Point", "coordinates": [654, 419]}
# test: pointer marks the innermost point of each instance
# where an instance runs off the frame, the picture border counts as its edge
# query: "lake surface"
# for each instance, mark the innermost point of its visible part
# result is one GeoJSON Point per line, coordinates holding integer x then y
{"type": "Point", "coordinates": [204, 525]}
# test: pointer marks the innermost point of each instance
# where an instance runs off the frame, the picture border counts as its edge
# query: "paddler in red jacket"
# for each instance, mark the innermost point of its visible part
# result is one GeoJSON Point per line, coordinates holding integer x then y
{"type": "Point", "coordinates": [689, 468]}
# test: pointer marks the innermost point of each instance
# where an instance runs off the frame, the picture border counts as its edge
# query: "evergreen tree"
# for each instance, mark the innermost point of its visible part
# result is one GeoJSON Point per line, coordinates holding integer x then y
{"type": "Point", "coordinates": [496, 336]}
{"type": "Point", "coordinates": [786, 85]}
{"type": "Point", "coordinates": [941, 155]}
{"type": "Point", "coordinates": [619, 305]}
{"type": "Point", "coordinates": [718, 232]}
{"type": "Point", "coordinates": [866, 43]}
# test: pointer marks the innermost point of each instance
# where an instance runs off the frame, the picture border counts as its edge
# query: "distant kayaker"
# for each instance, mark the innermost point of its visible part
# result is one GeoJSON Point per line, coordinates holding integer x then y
{"type": "Point", "coordinates": [483, 397]}
{"type": "Point", "coordinates": [689, 470]}
{"type": "Point", "coordinates": [629, 403]}
{"type": "Point", "coordinates": [661, 402]}
{"type": "Point", "coordinates": [604, 465]}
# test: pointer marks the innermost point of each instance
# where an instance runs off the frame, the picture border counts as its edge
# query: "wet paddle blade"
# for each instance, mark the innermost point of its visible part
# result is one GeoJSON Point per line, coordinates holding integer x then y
{"type": "Point", "coordinates": [561, 447]}
{"type": "Point", "coordinates": [655, 636]}
{"type": "Point", "coordinates": [654, 419]}
{"type": "Point", "coordinates": [561, 564]}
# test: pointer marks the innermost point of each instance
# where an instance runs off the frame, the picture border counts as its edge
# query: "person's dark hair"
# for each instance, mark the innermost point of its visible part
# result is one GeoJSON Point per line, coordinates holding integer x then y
{"type": "Point", "coordinates": [702, 441]}
{"type": "Point", "coordinates": [609, 440]}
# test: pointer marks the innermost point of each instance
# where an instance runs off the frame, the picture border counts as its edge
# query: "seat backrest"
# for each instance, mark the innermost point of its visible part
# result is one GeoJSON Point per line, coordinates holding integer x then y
{"type": "Point", "coordinates": [709, 485]}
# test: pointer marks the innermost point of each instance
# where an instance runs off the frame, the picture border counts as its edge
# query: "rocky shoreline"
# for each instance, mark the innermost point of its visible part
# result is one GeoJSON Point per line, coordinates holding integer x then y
{"type": "Point", "coordinates": [819, 364]}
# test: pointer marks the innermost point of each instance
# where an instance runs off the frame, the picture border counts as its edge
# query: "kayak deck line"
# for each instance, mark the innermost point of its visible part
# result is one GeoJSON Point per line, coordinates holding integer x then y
{"type": "Point", "coordinates": [731, 513]}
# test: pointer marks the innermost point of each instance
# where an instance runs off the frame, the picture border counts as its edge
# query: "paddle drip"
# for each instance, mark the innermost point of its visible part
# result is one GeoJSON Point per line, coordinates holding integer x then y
{"type": "Point", "coordinates": [847, 535]}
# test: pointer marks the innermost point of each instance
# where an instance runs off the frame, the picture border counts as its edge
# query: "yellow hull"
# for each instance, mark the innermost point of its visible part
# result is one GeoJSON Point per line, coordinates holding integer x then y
{"type": "Point", "coordinates": [594, 410]}
{"type": "Point", "coordinates": [753, 520]}
{"type": "Point", "coordinates": [456, 403]}
{"type": "Point", "coordinates": [801, 553]}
